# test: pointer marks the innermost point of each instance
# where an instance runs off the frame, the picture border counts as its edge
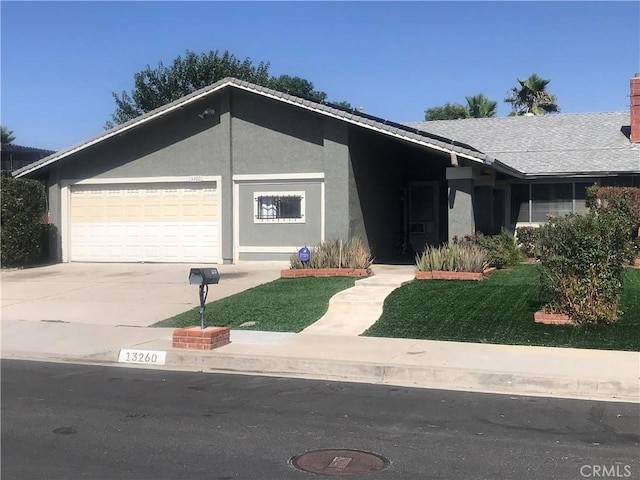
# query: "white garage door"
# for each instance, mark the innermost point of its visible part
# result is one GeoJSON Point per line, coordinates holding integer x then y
{"type": "Point", "coordinates": [159, 222]}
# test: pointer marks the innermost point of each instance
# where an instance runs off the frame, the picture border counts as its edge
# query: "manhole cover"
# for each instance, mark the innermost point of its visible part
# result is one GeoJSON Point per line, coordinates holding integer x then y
{"type": "Point", "coordinates": [340, 462]}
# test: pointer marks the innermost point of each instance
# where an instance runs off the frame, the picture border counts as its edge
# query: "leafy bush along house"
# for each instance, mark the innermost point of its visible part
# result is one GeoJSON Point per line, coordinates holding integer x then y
{"type": "Point", "coordinates": [238, 172]}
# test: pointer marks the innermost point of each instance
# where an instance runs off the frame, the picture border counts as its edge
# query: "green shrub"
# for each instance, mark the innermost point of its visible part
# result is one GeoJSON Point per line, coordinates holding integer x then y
{"type": "Point", "coordinates": [472, 258]}
{"type": "Point", "coordinates": [582, 259]}
{"type": "Point", "coordinates": [337, 254]}
{"type": "Point", "coordinates": [624, 203]}
{"type": "Point", "coordinates": [502, 249]}
{"type": "Point", "coordinates": [527, 240]}
{"type": "Point", "coordinates": [455, 257]}
{"type": "Point", "coordinates": [603, 199]}
{"type": "Point", "coordinates": [432, 258]}
{"type": "Point", "coordinates": [23, 206]}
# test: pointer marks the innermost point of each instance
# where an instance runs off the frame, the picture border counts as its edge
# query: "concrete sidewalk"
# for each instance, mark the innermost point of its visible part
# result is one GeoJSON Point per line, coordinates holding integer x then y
{"type": "Point", "coordinates": [337, 353]}
{"type": "Point", "coordinates": [515, 370]}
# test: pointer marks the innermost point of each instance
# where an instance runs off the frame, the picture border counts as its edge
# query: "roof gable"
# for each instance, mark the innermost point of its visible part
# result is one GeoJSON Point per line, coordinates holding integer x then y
{"type": "Point", "coordinates": [567, 144]}
{"type": "Point", "coordinates": [385, 127]}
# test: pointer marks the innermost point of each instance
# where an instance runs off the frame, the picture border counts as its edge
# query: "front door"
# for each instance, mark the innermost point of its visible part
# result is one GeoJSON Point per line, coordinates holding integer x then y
{"type": "Point", "coordinates": [423, 215]}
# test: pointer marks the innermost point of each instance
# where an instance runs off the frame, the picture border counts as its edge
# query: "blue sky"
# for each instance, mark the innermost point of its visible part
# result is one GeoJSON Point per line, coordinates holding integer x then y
{"type": "Point", "coordinates": [61, 60]}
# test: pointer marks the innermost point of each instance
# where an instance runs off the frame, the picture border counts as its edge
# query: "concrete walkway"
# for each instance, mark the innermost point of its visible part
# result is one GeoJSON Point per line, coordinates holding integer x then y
{"type": "Point", "coordinates": [330, 350]}
{"type": "Point", "coordinates": [355, 309]}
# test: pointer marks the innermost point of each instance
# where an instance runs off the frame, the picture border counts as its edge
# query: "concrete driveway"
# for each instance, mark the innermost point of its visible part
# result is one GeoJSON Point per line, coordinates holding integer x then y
{"type": "Point", "coordinates": [128, 294]}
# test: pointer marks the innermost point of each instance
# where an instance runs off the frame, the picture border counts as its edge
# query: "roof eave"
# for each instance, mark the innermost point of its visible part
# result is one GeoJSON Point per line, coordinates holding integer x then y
{"type": "Point", "coordinates": [579, 174]}
{"type": "Point", "coordinates": [503, 168]}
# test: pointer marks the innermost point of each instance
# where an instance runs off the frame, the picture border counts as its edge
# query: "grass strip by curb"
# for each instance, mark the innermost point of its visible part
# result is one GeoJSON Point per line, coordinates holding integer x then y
{"type": "Point", "coordinates": [284, 305]}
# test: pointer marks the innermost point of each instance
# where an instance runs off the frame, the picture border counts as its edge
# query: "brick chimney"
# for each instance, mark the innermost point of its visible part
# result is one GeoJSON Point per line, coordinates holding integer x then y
{"type": "Point", "coordinates": [635, 109]}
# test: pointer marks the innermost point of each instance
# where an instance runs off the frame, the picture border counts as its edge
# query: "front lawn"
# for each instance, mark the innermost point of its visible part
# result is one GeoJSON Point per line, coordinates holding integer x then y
{"type": "Point", "coordinates": [284, 305]}
{"type": "Point", "coordinates": [499, 309]}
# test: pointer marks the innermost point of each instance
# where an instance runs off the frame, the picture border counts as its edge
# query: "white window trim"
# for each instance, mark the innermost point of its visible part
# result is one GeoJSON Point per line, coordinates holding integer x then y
{"type": "Point", "coordinates": [297, 193]}
{"type": "Point", "coordinates": [267, 249]}
{"type": "Point", "coordinates": [268, 180]}
{"type": "Point", "coordinates": [270, 177]}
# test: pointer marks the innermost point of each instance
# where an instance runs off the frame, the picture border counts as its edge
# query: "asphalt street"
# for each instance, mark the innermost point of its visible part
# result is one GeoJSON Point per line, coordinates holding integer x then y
{"type": "Point", "coordinates": [66, 421]}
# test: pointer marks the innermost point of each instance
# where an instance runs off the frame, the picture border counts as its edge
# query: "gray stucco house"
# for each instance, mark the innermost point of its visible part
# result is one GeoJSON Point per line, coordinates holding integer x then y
{"type": "Point", "coordinates": [237, 172]}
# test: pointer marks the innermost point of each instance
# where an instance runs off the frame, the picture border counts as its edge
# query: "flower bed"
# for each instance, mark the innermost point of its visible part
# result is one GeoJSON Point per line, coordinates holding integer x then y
{"type": "Point", "coordinates": [323, 272]}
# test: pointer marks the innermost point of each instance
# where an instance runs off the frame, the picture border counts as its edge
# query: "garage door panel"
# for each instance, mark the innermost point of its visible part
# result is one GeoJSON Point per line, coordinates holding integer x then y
{"type": "Point", "coordinates": [151, 222]}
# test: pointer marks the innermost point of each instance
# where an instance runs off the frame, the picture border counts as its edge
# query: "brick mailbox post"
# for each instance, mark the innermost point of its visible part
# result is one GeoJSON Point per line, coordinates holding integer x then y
{"type": "Point", "coordinates": [202, 338]}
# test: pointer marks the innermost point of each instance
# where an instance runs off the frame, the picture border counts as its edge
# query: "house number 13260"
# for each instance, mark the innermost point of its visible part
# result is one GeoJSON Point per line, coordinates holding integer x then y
{"type": "Point", "coordinates": [142, 357]}
{"type": "Point", "coordinates": [148, 357]}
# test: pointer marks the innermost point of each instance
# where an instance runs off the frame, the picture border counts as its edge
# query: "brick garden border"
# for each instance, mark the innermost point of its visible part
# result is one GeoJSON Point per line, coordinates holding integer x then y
{"type": "Point", "coordinates": [323, 272]}
{"type": "Point", "coordinates": [553, 318]}
{"type": "Point", "coordinates": [447, 275]}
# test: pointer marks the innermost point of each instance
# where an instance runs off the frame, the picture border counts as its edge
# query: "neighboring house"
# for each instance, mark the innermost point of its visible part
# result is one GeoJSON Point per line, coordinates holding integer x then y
{"type": "Point", "coordinates": [14, 157]}
{"type": "Point", "coordinates": [557, 157]}
{"type": "Point", "coordinates": [238, 172]}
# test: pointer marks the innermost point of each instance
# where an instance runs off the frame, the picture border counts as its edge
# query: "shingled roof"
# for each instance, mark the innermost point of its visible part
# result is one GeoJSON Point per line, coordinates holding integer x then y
{"type": "Point", "coordinates": [528, 146]}
{"type": "Point", "coordinates": [567, 144]}
{"type": "Point", "coordinates": [399, 131]}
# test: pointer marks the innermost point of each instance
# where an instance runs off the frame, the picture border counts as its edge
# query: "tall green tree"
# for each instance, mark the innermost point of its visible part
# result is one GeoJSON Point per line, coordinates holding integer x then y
{"type": "Point", "coordinates": [7, 135]}
{"type": "Point", "coordinates": [448, 111]}
{"type": "Point", "coordinates": [296, 86]}
{"type": "Point", "coordinates": [155, 87]}
{"type": "Point", "coordinates": [532, 97]}
{"type": "Point", "coordinates": [478, 106]}
{"type": "Point", "coordinates": [343, 104]}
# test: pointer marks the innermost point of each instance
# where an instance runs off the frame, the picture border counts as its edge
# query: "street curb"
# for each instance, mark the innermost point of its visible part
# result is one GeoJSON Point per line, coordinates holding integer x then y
{"type": "Point", "coordinates": [417, 376]}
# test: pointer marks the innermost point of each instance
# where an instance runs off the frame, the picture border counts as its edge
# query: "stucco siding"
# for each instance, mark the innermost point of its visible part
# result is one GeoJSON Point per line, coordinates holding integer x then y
{"type": "Point", "coordinates": [55, 216]}
{"type": "Point", "coordinates": [356, 219]}
{"type": "Point", "coordinates": [180, 145]}
{"type": "Point", "coordinates": [271, 234]}
{"type": "Point", "coordinates": [270, 137]}
{"type": "Point", "coordinates": [461, 208]}
{"type": "Point", "coordinates": [336, 170]}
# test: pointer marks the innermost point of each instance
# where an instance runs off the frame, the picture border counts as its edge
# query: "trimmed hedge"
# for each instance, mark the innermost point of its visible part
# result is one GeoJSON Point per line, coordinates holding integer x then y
{"type": "Point", "coordinates": [21, 229]}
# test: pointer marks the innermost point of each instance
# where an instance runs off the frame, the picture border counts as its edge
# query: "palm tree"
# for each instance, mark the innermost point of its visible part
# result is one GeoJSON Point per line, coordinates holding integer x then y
{"type": "Point", "coordinates": [532, 98]}
{"type": "Point", "coordinates": [480, 106]}
{"type": "Point", "coordinates": [7, 135]}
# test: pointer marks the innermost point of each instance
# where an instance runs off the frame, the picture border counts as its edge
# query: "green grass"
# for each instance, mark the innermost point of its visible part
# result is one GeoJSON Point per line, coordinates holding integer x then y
{"type": "Point", "coordinates": [284, 305]}
{"type": "Point", "coordinates": [500, 310]}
